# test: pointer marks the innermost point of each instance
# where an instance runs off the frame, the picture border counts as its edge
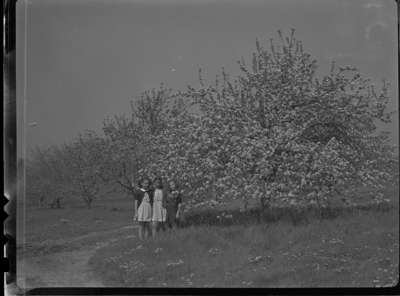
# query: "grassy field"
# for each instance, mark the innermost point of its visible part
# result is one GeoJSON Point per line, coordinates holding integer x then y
{"type": "Point", "coordinates": [355, 250]}
{"type": "Point", "coordinates": [76, 220]}
{"type": "Point", "coordinates": [351, 248]}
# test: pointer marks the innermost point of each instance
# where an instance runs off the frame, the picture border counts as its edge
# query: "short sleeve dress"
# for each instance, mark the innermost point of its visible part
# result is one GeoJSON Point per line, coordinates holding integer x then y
{"type": "Point", "coordinates": [145, 200]}
{"type": "Point", "coordinates": [159, 211]}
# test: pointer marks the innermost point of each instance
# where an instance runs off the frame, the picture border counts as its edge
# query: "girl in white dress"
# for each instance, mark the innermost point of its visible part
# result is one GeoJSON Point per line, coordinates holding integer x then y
{"type": "Point", "coordinates": [143, 208]}
{"type": "Point", "coordinates": [159, 207]}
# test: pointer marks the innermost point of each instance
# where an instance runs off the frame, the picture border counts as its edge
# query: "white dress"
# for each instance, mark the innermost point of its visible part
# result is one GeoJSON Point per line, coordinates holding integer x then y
{"type": "Point", "coordinates": [159, 212]}
{"type": "Point", "coordinates": [144, 209]}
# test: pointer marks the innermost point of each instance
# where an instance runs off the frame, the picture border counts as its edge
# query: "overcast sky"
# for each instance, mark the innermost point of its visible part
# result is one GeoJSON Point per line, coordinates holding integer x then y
{"type": "Point", "coordinates": [87, 59]}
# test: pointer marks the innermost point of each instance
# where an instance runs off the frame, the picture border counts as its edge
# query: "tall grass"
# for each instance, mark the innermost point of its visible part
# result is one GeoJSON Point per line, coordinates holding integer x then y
{"type": "Point", "coordinates": [351, 250]}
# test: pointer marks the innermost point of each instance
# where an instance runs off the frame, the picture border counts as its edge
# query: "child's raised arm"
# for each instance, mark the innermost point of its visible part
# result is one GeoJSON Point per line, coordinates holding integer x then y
{"type": "Point", "coordinates": [135, 207]}
{"type": "Point", "coordinates": [179, 202]}
{"type": "Point", "coordinates": [133, 184]}
{"type": "Point", "coordinates": [135, 216]}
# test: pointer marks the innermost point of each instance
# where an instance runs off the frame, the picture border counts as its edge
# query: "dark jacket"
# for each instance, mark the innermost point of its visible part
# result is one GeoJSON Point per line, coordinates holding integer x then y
{"type": "Point", "coordinates": [173, 201]}
{"type": "Point", "coordinates": [139, 194]}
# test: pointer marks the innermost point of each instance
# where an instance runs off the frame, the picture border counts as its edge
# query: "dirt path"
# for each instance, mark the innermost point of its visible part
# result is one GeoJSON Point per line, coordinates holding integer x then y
{"type": "Point", "coordinates": [67, 268]}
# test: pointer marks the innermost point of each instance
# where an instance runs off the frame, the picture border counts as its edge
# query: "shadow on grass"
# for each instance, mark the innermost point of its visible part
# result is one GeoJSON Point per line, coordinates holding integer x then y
{"type": "Point", "coordinates": [294, 215]}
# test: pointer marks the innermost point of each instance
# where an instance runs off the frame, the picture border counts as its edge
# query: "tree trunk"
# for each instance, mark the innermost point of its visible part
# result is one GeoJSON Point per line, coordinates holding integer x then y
{"type": "Point", "coordinates": [58, 203]}
{"type": "Point", "coordinates": [261, 112]}
{"type": "Point", "coordinates": [262, 208]}
{"type": "Point", "coordinates": [245, 204]}
{"type": "Point", "coordinates": [41, 202]}
{"type": "Point", "coordinates": [88, 200]}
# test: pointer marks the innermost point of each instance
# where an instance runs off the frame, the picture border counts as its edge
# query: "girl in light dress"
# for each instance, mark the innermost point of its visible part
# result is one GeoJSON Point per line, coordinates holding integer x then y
{"type": "Point", "coordinates": [159, 207]}
{"type": "Point", "coordinates": [144, 197]}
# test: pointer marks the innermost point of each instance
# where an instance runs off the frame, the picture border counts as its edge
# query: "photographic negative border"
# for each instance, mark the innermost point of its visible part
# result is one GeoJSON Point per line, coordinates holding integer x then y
{"type": "Point", "coordinates": [10, 202]}
{"type": "Point", "coordinates": [10, 139]}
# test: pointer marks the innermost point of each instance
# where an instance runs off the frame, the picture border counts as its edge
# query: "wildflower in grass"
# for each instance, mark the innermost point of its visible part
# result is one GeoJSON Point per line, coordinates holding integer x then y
{"type": "Point", "coordinates": [176, 263]}
{"type": "Point", "coordinates": [214, 251]}
{"type": "Point", "coordinates": [255, 259]}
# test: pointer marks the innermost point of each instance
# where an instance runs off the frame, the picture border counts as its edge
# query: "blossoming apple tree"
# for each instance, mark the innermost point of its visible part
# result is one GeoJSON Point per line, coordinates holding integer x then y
{"type": "Point", "coordinates": [278, 133]}
{"type": "Point", "coordinates": [131, 142]}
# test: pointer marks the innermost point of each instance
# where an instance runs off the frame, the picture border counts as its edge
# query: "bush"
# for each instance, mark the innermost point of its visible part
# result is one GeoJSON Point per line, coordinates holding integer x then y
{"type": "Point", "coordinates": [293, 215]}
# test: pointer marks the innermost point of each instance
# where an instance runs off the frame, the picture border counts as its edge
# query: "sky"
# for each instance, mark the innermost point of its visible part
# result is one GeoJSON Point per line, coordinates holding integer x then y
{"type": "Point", "coordinates": [85, 60]}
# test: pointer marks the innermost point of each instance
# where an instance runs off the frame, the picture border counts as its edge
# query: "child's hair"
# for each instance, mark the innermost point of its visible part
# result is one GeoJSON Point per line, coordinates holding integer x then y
{"type": "Point", "coordinates": [140, 183]}
{"type": "Point", "coordinates": [158, 179]}
{"type": "Point", "coordinates": [176, 184]}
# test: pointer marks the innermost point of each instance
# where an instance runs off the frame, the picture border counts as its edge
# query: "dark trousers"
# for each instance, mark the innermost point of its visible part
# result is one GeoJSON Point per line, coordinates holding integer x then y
{"type": "Point", "coordinates": [171, 223]}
